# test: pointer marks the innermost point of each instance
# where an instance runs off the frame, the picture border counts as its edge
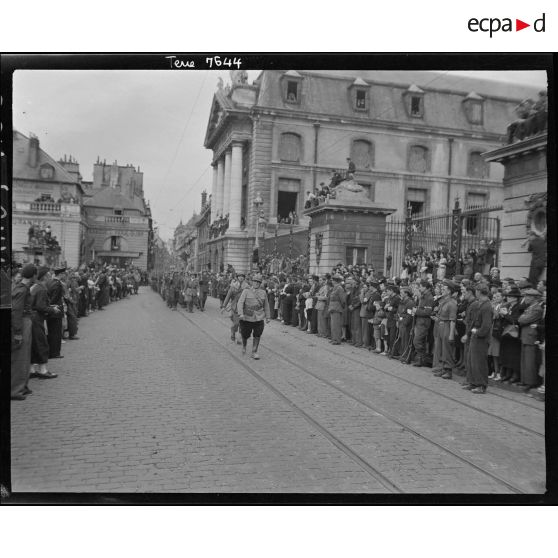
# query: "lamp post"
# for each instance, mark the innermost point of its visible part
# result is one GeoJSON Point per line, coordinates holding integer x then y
{"type": "Point", "coordinates": [258, 202]}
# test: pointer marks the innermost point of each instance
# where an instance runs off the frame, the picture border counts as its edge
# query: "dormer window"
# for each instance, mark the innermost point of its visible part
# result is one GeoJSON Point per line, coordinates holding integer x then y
{"type": "Point", "coordinates": [473, 105]}
{"type": "Point", "coordinates": [47, 172]}
{"type": "Point", "coordinates": [359, 95]}
{"type": "Point", "coordinates": [292, 91]}
{"type": "Point", "coordinates": [291, 87]}
{"type": "Point", "coordinates": [414, 101]}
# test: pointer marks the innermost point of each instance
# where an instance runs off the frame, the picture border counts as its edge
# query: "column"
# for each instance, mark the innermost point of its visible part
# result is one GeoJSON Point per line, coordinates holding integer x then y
{"type": "Point", "coordinates": [227, 196]}
{"type": "Point", "coordinates": [220, 186]}
{"type": "Point", "coordinates": [236, 186]}
{"type": "Point", "coordinates": [214, 193]}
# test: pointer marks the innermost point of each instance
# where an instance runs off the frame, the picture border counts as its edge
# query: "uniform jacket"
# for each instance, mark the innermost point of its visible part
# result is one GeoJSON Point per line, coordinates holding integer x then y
{"type": "Point", "coordinates": [403, 317]}
{"type": "Point", "coordinates": [322, 296]}
{"type": "Point", "coordinates": [531, 315]}
{"type": "Point", "coordinates": [39, 301]}
{"type": "Point", "coordinates": [253, 305]}
{"type": "Point", "coordinates": [367, 308]}
{"type": "Point", "coordinates": [21, 307]}
{"type": "Point", "coordinates": [424, 308]}
{"type": "Point", "coordinates": [337, 299]}
{"type": "Point", "coordinates": [55, 290]}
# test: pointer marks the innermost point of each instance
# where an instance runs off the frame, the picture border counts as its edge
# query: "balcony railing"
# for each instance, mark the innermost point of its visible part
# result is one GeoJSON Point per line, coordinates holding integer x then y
{"type": "Point", "coordinates": [45, 206]}
{"type": "Point", "coordinates": [117, 219]}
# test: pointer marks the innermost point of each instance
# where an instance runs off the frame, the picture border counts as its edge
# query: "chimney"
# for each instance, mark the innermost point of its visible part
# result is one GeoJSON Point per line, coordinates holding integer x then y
{"type": "Point", "coordinates": [33, 158]}
{"type": "Point", "coordinates": [204, 199]}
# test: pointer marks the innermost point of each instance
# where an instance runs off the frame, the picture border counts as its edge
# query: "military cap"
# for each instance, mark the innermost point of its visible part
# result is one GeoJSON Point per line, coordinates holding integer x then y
{"type": "Point", "coordinates": [257, 277]}
{"type": "Point", "coordinates": [60, 269]}
{"type": "Point", "coordinates": [425, 283]}
{"type": "Point", "coordinates": [41, 272]}
{"type": "Point", "coordinates": [458, 278]}
{"type": "Point", "coordinates": [451, 284]}
{"type": "Point", "coordinates": [524, 284]}
{"type": "Point", "coordinates": [337, 277]}
{"type": "Point", "coordinates": [28, 271]}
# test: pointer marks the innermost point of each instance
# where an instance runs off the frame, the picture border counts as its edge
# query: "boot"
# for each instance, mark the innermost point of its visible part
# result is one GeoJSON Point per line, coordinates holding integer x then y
{"type": "Point", "coordinates": [255, 345]}
{"type": "Point", "coordinates": [447, 375]}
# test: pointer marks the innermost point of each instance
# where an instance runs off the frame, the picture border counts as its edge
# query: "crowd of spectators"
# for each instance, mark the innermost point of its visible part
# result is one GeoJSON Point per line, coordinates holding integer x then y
{"type": "Point", "coordinates": [47, 304]}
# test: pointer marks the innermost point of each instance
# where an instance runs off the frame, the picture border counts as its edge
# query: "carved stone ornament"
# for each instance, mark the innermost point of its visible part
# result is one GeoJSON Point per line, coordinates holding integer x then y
{"type": "Point", "coordinates": [536, 215]}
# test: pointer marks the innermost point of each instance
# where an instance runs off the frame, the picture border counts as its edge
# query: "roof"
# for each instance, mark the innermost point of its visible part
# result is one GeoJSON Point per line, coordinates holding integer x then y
{"type": "Point", "coordinates": [326, 93]}
{"type": "Point", "coordinates": [111, 197]}
{"type": "Point", "coordinates": [22, 170]}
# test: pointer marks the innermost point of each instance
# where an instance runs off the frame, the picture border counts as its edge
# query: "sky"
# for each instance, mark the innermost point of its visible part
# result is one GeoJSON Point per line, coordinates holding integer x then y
{"type": "Point", "coordinates": [152, 119]}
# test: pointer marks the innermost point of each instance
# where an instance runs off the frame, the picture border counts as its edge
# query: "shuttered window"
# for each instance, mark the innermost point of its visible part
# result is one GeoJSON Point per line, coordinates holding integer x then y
{"type": "Point", "coordinates": [477, 167]}
{"type": "Point", "coordinates": [418, 159]}
{"type": "Point", "coordinates": [289, 147]}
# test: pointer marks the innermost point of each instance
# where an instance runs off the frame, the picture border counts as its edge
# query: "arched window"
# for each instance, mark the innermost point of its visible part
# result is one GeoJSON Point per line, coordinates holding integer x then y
{"type": "Point", "coordinates": [362, 154]}
{"type": "Point", "coordinates": [290, 147]}
{"type": "Point", "coordinates": [477, 167]}
{"type": "Point", "coordinates": [419, 160]}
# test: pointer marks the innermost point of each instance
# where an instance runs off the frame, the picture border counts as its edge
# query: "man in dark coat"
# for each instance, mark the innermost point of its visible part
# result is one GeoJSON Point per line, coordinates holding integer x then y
{"type": "Point", "coordinates": [478, 333]}
{"type": "Point", "coordinates": [41, 310]}
{"type": "Point", "coordinates": [537, 247]}
{"type": "Point", "coordinates": [336, 306]}
{"type": "Point", "coordinates": [204, 289]}
{"type": "Point", "coordinates": [404, 320]}
{"type": "Point", "coordinates": [55, 290]}
{"type": "Point", "coordinates": [529, 336]}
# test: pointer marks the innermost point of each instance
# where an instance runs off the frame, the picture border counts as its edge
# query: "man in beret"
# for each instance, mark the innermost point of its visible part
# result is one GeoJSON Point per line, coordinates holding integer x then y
{"type": "Point", "coordinates": [55, 290]}
{"type": "Point", "coordinates": [21, 333]}
{"type": "Point", "coordinates": [528, 323]}
{"type": "Point", "coordinates": [423, 313]}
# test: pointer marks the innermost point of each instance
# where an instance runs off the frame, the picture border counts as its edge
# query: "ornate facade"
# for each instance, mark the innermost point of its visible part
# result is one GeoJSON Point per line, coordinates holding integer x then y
{"type": "Point", "coordinates": [48, 222]}
{"type": "Point", "coordinates": [415, 138]}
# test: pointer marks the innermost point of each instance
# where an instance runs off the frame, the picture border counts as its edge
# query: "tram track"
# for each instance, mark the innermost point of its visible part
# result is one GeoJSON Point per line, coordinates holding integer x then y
{"type": "Point", "coordinates": [348, 451]}
{"type": "Point", "coordinates": [438, 393]}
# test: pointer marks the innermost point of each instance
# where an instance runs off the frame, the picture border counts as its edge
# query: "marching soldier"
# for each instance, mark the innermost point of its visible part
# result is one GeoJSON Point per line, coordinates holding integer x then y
{"type": "Point", "coordinates": [235, 290]}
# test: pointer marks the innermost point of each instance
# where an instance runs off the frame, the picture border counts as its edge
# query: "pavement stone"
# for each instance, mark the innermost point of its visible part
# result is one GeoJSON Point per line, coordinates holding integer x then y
{"type": "Point", "coordinates": [147, 402]}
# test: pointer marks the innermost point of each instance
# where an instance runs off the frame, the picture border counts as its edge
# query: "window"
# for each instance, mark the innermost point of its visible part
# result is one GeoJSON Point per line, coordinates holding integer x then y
{"type": "Point", "coordinates": [115, 243]}
{"type": "Point", "coordinates": [414, 101]}
{"type": "Point", "coordinates": [355, 255]}
{"type": "Point", "coordinates": [416, 198]}
{"type": "Point", "coordinates": [477, 167]}
{"type": "Point", "coordinates": [118, 212]}
{"type": "Point", "coordinates": [287, 200]}
{"type": "Point", "coordinates": [362, 154]}
{"type": "Point", "coordinates": [419, 160]}
{"type": "Point", "coordinates": [47, 172]}
{"type": "Point", "coordinates": [416, 106]}
{"type": "Point", "coordinates": [473, 222]}
{"type": "Point", "coordinates": [360, 99]}
{"type": "Point", "coordinates": [289, 147]}
{"type": "Point", "coordinates": [292, 91]}
{"type": "Point", "coordinates": [473, 105]}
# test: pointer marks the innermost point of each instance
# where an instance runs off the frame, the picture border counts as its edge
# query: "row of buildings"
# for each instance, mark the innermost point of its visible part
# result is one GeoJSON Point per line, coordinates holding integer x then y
{"type": "Point", "coordinates": [416, 139]}
{"type": "Point", "coordinates": [59, 218]}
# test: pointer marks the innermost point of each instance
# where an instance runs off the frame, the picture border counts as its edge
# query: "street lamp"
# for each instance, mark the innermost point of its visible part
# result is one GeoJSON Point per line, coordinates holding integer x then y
{"type": "Point", "coordinates": [258, 202]}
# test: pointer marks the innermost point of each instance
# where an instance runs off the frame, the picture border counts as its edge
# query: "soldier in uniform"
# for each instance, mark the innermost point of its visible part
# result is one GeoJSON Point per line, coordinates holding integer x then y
{"type": "Point", "coordinates": [391, 305]}
{"type": "Point", "coordinates": [253, 308]}
{"type": "Point", "coordinates": [404, 319]}
{"type": "Point", "coordinates": [479, 329]}
{"type": "Point", "coordinates": [40, 311]}
{"type": "Point", "coordinates": [55, 290]}
{"type": "Point", "coordinates": [353, 301]}
{"type": "Point", "coordinates": [368, 293]}
{"type": "Point", "coordinates": [190, 289]}
{"type": "Point", "coordinates": [21, 336]}
{"type": "Point", "coordinates": [238, 284]}
{"type": "Point", "coordinates": [446, 317]}
{"type": "Point", "coordinates": [336, 307]}
{"type": "Point", "coordinates": [422, 314]}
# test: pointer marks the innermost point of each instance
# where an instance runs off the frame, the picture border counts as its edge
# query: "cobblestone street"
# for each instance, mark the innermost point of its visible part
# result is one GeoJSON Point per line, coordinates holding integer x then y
{"type": "Point", "coordinates": [150, 400]}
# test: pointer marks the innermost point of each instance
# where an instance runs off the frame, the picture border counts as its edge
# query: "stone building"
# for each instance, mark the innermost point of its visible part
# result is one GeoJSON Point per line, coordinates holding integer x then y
{"type": "Point", "coordinates": [48, 221]}
{"type": "Point", "coordinates": [119, 219]}
{"type": "Point", "coordinates": [415, 138]}
{"type": "Point", "coordinates": [525, 191]}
